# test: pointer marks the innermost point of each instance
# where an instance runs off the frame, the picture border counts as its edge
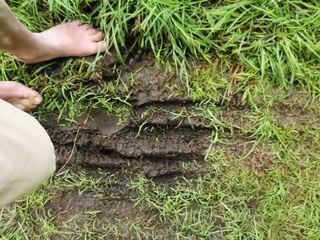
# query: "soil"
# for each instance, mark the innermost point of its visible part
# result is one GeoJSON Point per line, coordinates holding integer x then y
{"type": "Point", "coordinates": [161, 134]}
{"type": "Point", "coordinates": [163, 139]}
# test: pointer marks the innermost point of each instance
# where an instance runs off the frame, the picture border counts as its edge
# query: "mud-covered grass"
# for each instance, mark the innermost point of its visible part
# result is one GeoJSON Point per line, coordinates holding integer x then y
{"type": "Point", "coordinates": [230, 152]}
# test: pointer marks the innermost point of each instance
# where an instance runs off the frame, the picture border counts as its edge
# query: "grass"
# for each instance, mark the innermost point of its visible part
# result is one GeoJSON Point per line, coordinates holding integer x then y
{"type": "Point", "coordinates": [260, 59]}
{"type": "Point", "coordinates": [271, 41]}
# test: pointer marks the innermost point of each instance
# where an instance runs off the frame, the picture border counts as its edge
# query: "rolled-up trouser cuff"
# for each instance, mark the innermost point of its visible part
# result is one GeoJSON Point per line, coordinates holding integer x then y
{"type": "Point", "coordinates": [27, 156]}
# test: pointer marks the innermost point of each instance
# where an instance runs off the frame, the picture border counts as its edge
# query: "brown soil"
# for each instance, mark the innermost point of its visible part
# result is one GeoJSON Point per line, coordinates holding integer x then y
{"type": "Point", "coordinates": [161, 134]}
{"type": "Point", "coordinates": [162, 138]}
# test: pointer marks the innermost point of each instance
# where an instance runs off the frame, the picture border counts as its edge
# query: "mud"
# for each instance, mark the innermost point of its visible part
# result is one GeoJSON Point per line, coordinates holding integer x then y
{"type": "Point", "coordinates": [161, 135]}
{"type": "Point", "coordinates": [164, 132]}
{"type": "Point", "coordinates": [163, 138]}
{"type": "Point", "coordinates": [152, 84]}
{"type": "Point", "coordinates": [155, 149]}
{"type": "Point", "coordinates": [108, 211]}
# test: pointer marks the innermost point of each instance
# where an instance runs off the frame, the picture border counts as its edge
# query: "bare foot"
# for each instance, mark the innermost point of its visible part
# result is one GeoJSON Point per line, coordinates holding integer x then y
{"type": "Point", "coordinates": [73, 39]}
{"type": "Point", "coordinates": [19, 95]}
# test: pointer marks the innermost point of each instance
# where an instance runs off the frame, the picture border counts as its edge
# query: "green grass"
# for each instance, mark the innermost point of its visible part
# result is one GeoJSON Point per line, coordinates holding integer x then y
{"type": "Point", "coordinates": [270, 41]}
{"type": "Point", "coordinates": [260, 58]}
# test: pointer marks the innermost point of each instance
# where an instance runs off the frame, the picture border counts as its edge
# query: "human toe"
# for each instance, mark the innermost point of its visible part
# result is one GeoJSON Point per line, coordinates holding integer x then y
{"type": "Point", "coordinates": [97, 37]}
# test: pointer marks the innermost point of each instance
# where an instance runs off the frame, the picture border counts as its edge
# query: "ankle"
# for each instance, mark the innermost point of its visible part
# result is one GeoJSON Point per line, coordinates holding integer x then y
{"type": "Point", "coordinates": [16, 40]}
{"type": "Point", "coordinates": [6, 44]}
{"type": "Point", "coordinates": [33, 49]}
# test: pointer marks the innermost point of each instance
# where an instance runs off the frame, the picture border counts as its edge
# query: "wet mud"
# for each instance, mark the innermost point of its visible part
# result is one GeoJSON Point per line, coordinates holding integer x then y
{"type": "Point", "coordinates": [157, 146]}
{"type": "Point", "coordinates": [163, 138]}
{"type": "Point", "coordinates": [161, 134]}
{"type": "Point", "coordinates": [164, 130]}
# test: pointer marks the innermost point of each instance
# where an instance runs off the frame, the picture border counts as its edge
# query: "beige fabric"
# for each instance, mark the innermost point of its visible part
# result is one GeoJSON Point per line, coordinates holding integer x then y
{"type": "Point", "coordinates": [26, 154]}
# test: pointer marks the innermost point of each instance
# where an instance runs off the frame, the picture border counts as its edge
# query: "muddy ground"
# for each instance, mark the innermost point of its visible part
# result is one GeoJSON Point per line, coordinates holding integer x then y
{"type": "Point", "coordinates": [163, 138]}
{"type": "Point", "coordinates": [161, 133]}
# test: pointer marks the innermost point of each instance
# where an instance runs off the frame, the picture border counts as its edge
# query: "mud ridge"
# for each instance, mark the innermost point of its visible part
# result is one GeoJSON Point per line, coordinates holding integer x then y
{"type": "Point", "coordinates": [156, 152]}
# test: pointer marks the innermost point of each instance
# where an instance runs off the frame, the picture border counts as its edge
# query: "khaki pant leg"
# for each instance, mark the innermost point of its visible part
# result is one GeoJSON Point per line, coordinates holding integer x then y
{"type": "Point", "coordinates": [27, 156]}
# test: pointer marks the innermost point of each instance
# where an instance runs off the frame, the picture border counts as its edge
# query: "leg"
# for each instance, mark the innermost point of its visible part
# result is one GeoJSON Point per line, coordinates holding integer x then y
{"type": "Point", "coordinates": [64, 40]}
{"type": "Point", "coordinates": [26, 154]}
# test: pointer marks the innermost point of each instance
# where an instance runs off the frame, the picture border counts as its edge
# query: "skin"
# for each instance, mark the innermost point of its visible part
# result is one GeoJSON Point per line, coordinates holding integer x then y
{"type": "Point", "coordinates": [65, 40]}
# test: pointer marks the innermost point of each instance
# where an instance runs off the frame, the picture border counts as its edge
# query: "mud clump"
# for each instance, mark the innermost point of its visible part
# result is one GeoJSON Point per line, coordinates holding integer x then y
{"type": "Point", "coordinates": [162, 134]}
{"type": "Point", "coordinates": [149, 83]}
{"type": "Point", "coordinates": [156, 151]}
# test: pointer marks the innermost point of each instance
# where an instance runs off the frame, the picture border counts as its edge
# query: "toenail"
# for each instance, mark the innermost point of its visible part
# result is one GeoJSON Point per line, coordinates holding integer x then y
{"type": "Point", "coordinates": [36, 100]}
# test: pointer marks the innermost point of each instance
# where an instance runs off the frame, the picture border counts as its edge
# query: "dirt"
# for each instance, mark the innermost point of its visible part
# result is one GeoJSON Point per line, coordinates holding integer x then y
{"type": "Point", "coordinates": [163, 138]}
{"type": "Point", "coordinates": [156, 152]}
{"type": "Point", "coordinates": [162, 134]}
